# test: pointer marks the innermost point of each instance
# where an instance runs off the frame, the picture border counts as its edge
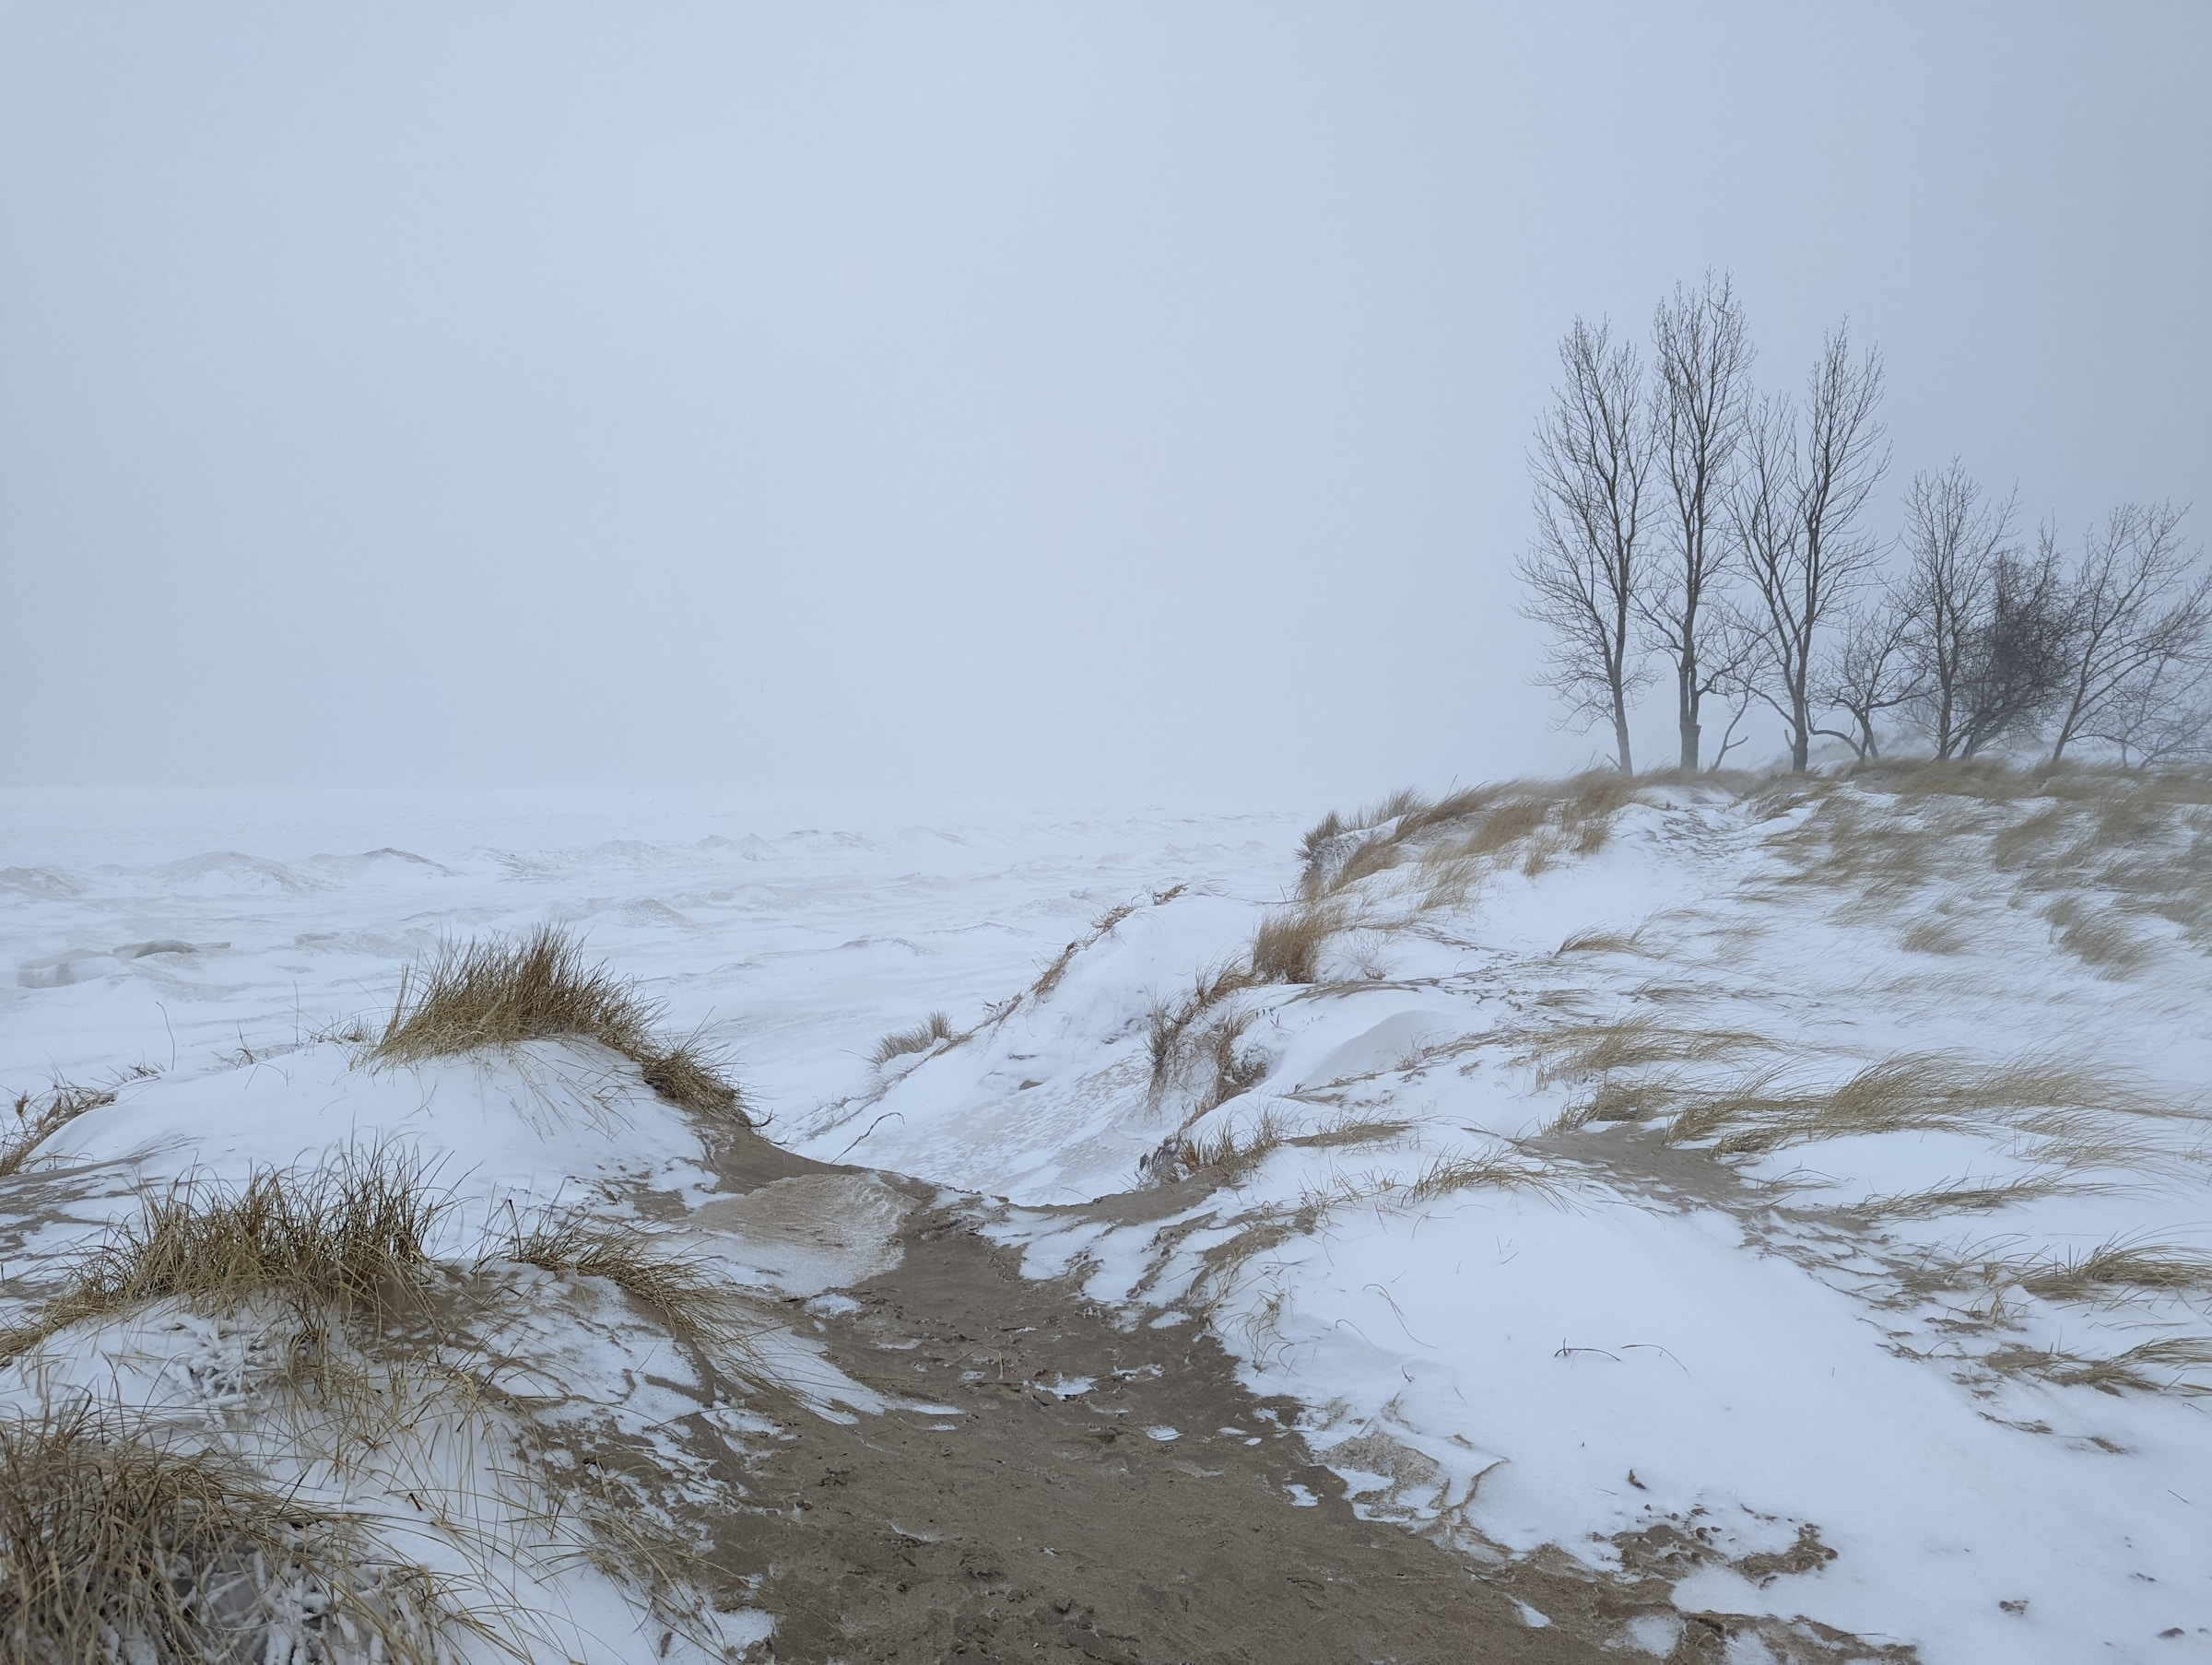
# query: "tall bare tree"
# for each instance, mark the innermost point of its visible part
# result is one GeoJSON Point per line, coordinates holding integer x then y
{"type": "Point", "coordinates": [1793, 513]}
{"type": "Point", "coordinates": [1583, 567]}
{"type": "Point", "coordinates": [1954, 543]}
{"type": "Point", "coordinates": [1698, 407]}
{"type": "Point", "coordinates": [2138, 615]}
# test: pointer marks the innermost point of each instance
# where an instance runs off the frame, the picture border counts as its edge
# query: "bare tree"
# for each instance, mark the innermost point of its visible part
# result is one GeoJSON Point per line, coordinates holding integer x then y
{"type": "Point", "coordinates": [2165, 716]}
{"type": "Point", "coordinates": [1793, 516]}
{"type": "Point", "coordinates": [2138, 614]}
{"type": "Point", "coordinates": [1954, 544]}
{"type": "Point", "coordinates": [1870, 671]}
{"type": "Point", "coordinates": [1583, 567]}
{"type": "Point", "coordinates": [2016, 654]}
{"type": "Point", "coordinates": [1698, 407]}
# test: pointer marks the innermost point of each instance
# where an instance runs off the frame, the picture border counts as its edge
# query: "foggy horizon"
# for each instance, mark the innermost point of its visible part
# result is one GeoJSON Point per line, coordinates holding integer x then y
{"type": "Point", "coordinates": [893, 406]}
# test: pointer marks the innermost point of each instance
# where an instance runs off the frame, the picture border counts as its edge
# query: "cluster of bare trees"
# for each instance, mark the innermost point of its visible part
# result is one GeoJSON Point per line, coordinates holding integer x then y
{"type": "Point", "coordinates": [1685, 520]}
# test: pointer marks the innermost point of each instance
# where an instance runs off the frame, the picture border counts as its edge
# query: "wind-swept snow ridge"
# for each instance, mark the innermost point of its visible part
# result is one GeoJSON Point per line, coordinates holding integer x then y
{"type": "Point", "coordinates": [1795, 1193]}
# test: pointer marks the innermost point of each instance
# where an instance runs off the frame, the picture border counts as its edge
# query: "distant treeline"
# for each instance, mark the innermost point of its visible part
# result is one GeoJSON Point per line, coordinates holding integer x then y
{"type": "Point", "coordinates": [1688, 523]}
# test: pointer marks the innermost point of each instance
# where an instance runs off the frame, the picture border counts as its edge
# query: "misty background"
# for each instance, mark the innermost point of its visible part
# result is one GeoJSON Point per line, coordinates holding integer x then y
{"type": "Point", "coordinates": [988, 405]}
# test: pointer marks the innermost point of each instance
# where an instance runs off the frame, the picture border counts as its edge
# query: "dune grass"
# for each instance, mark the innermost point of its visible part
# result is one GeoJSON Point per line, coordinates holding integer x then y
{"type": "Point", "coordinates": [1186, 1047]}
{"type": "Point", "coordinates": [499, 991]}
{"type": "Point", "coordinates": [1601, 939]}
{"type": "Point", "coordinates": [931, 1033]}
{"type": "Point", "coordinates": [1286, 948]}
{"type": "Point", "coordinates": [1456, 836]}
{"type": "Point", "coordinates": [1964, 1196]}
{"type": "Point", "coordinates": [115, 1545]}
{"type": "Point", "coordinates": [1500, 1170]}
{"type": "Point", "coordinates": [2119, 1269]}
{"type": "Point", "coordinates": [350, 1238]}
{"type": "Point", "coordinates": [41, 1115]}
{"type": "Point", "coordinates": [1223, 1155]}
{"type": "Point", "coordinates": [1601, 1049]}
{"type": "Point", "coordinates": [1915, 1091]}
{"type": "Point", "coordinates": [2178, 1365]}
{"type": "Point", "coordinates": [2098, 850]}
{"type": "Point", "coordinates": [688, 1303]}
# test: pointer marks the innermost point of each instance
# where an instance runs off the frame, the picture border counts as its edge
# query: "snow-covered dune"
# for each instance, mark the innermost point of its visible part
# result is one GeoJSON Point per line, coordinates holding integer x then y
{"type": "Point", "coordinates": [1765, 1219]}
{"type": "Point", "coordinates": [1799, 1193]}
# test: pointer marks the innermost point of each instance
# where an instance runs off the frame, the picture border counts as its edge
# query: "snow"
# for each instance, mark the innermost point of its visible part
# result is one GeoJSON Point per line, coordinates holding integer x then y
{"type": "Point", "coordinates": [1490, 1365]}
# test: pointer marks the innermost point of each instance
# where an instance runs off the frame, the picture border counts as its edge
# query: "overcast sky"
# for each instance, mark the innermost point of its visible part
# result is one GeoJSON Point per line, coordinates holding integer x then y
{"type": "Point", "coordinates": [1062, 405]}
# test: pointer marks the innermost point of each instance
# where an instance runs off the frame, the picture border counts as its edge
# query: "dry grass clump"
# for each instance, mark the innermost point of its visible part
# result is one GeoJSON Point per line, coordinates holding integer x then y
{"type": "Point", "coordinates": [1164, 1027]}
{"type": "Point", "coordinates": [1452, 1172]}
{"type": "Point", "coordinates": [2099, 937]}
{"type": "Point", "coordinates": [1169, 1026]}
{"type": "Point", "coordinates": [1350, 1130]}
{"type": "Point", "coordinates": [1339, 853]}
{"type": "Point", "coordinates": [1324, 833]}
{"type": "Point", "coordinates": [1225, 1154]}
{"type": "Point", "coordinates": [1182, 1046]}
{"type": "Point", "coordinates": [351, 1238]}
{"type": "Point", "coordinates": [689, 1076]}
{"type": "Point", "coordinates": [1231, 1069]}
{"type": "Point", "coordinates": [2118, 1267]}
{"type": "Point", "coordinates": [1504, 826]}
{"type": "Point", "coordinates": [2171, 1365]}
{"type": "Point", "coordinates": [686, 1302]}
{"type": "Point", "coordinates": [932, 1032]}
{"type": "Point", "coordinates": [1635, 1100]}
{"type": "Point", "coordinates": [1286, 948]}
{"type": "Point", "coordinates": [1459, 1171]}
{"type": "Point", "coordinates": [1962, 1197]}
{"type": "Point", "coordinates": [1461, 836]}
{"type": "Point", "coordinates": [1599, 939]}
{"type": "Point", "coordinates": [114, 1546]}
{"type": "Point", "coordinates": [1602, 1049]}
{"type": "Point", "coordinates": [1935, 936]}
{"type": "Point", "coordinates": [1101, 928]}
{"type": "Point", "coordinates": [39, 1114]}
{"type": "Point", "coordinates": [1910, 1091]}
{"type": "Point", "coordinates": [1483, 829]}
{"type": "Point", "coordinates": [499, 991]}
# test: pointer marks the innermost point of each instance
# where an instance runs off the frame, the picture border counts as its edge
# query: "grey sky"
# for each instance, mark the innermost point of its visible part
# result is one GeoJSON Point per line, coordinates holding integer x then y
{"type": "Point", "coordinates": [1056, 404]}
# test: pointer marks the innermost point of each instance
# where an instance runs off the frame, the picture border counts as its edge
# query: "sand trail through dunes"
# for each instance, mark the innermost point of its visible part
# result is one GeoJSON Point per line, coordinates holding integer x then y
{"type": "Point", "coordinates": [1051, 1480]}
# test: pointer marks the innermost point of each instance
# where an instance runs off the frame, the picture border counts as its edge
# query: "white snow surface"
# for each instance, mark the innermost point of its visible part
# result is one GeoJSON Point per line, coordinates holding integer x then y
{"type": "Point", "coordinates": [1656, 1335]}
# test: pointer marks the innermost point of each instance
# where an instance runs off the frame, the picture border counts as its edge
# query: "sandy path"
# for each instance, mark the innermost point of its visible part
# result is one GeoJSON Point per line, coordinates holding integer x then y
{"type": "Point", "coordinates": [1040, 1511]}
